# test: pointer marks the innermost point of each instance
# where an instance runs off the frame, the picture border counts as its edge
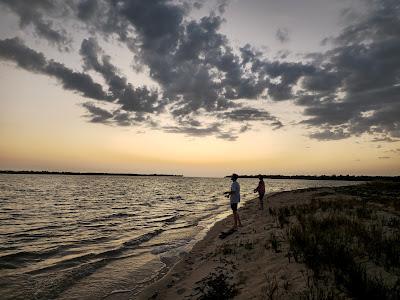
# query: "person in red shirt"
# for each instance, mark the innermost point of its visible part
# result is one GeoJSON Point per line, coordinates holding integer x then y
{"type": "Point", "coordinates": [261, 191]}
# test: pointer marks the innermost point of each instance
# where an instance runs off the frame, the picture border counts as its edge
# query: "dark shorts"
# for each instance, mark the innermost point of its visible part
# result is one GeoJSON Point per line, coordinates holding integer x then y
{"type": "Point", "coordinates": [234, 206]}
{"type": "Point", "coordinates": [261, 197]}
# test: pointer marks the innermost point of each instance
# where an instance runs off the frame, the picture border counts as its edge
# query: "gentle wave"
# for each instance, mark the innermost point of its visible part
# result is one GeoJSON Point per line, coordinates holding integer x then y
{"type": "Point", "coordinates": [26, 257]}
{"type": "Point", "coordinates": [55, 231]}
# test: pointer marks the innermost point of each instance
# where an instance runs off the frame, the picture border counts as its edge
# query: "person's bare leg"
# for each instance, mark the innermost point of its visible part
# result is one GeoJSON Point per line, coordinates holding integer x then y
{"type": "Point", "coordinates": [238, 219]}
{"type": "Point", "coordinates": [261, 199]}
{"type": "Point", "coordinates": [235, 220]}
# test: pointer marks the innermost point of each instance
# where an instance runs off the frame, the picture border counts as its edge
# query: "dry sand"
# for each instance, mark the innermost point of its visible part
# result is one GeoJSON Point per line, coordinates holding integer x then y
{"type": "Point", "coordinates": [247, 256]}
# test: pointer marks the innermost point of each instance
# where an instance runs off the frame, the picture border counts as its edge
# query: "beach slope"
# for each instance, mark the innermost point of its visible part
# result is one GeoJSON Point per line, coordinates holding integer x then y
{"type": "Point", "coordinates": [273, 257]}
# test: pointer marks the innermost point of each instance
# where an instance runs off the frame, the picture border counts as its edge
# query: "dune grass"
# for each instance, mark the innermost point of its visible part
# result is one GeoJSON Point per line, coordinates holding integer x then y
{"type": "Point", "coordinates": [347, 240]}
{"type": "Point", "coordinates": [353, 242]}
{"type": "Point", "coordinates": [216, 286]}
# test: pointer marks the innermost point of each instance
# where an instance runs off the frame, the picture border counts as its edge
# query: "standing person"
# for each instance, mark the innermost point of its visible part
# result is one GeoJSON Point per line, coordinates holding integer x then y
{"type": "Point", "coordinates": [234, 195]}
{"type": "Point", "coordinates": [261, 191]}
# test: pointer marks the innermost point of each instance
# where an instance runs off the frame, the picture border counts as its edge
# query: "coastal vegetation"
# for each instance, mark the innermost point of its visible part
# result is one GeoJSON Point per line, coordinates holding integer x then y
{"type": "Point", "coordinates": [351, 245]}
{"type": "Point", "coordinates": [348, 238]}
{"type": "Point", "coordinates": [82, 173]}
{"type": "Point", "coordinates": [327, 177]}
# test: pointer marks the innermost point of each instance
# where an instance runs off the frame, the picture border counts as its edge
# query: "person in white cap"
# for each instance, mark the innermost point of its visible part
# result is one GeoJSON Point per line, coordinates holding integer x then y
{"type": "Point", "coordinates": [234, 195]}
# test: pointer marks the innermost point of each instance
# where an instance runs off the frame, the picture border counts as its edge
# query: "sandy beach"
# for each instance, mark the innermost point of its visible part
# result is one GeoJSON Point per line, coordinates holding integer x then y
{"type": "Point", "coordinates": [258, 261]}
{"type": "Point", "coordinates": [245, 257]}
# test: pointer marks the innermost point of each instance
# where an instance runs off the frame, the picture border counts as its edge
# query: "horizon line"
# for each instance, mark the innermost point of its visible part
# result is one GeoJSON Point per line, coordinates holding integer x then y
{"type": "Point", "coordinates": [44, 172]}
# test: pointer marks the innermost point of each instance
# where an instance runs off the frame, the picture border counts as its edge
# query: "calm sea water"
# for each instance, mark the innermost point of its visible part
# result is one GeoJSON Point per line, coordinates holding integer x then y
{"type": "Point", "coordinates": [84, 237]}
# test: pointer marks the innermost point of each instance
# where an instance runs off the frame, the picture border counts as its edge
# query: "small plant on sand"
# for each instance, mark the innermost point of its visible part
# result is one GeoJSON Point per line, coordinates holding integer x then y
{"type": "Point", "coordinates": [270, 290]}
{"type": "Point", "coordinates": [275, 244]}
{"type": "Point", "coordinates": [226, 249]}
{"type": "Point", "coordinates": [363, 212]}
{"type": "Point", "coordinates": [272, 212]}
{"type": "Point", "coordinates": [249, 245]}
{"type": "Point", "coordinates": [392, 222]}
{"type": "Point", "coordinates": [315, 291]}
{"type": "Point", "coordinates": [285, 282]}
{"type": "Point", "coordinates": [282, 220]}
{"type": "Point", "coordinates": [217, 286]}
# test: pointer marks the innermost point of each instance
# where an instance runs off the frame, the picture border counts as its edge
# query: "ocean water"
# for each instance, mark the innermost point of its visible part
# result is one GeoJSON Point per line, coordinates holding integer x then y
{"type": "Point", "coordinates": [85, 237]}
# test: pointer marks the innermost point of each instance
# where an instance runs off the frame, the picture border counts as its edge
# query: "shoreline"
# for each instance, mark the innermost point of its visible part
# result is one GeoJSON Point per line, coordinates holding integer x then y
{"type": "Point", "coordinates": [162, 283]}
{"type": "Point", "coordinates": [258, 260]}
{"type": "Point", "coordinates": [172, 259]}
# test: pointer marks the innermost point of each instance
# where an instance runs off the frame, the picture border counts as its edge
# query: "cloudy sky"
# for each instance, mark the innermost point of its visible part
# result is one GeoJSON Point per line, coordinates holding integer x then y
{"type": "Point", "coordinates": [201, 87]}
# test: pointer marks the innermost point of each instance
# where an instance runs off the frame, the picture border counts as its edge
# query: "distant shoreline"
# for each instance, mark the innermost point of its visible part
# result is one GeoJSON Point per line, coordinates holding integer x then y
{"type": "Point", "coordinates": [303, 177]}
{"type": "Point", "coordinates": [326, 177]}
{"type": "Point", "coordinates": [83, 173]}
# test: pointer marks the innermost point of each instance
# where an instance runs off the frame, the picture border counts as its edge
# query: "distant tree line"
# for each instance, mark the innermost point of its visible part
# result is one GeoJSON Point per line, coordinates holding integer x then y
{"type": "Point", "coordinates": [326, 177]}
{"type": "Point", "coordinates": [81, 173]}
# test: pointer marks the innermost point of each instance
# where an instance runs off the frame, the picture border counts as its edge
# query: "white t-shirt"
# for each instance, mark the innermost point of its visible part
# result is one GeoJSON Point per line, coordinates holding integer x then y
{"type": "Point", "coordinates": [235, 197]}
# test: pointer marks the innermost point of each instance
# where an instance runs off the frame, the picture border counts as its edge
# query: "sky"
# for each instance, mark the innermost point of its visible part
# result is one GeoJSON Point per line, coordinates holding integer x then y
{"type": "Point", "coordinates": [200, 87]}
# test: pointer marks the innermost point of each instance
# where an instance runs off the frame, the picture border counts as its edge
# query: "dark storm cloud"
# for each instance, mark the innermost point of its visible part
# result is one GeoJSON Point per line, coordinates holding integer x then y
{"type": "Point", "coordinates": [192, 61]}
{"type": "Point", "coordinates": [90, 51]}
{"type": "Point", "coordinates": [380, 23]}
{"type": "Point", "coordinates": [117, 117]}
{"type": "Point", "coordinates": [322, 81]}
{"type": "Point", "coordinates": [248, 114]}
{"type": "Point", "coordinates": [28, 59]}
{"type": "Point", "coordinates": [171, 50]}
{"type": "Point", "coordinates": [87, 9]}
{"type": "Point", "coordinates": [24, 57]}
{"type": "Point", "coordinates": [282, 35]}
{"type": "Point", "coordinates": [349, 90]}
{"type": "Point", "coordinates": [197, 68]}
{"type": "Point", "coordinates": [357, 85]}
{"type": "Point", "coordinates": [123, 118]}
{"type": "Point", "coordinates": [97, 114]}
{"type": "Point", "coordinates": [33, 13]}
{"type": "Point", "coordinates": [139, 99]}
{"type": "Point", "coordinates": [186, 72]}
{"type": "Point", "coordinates": [76, 81]}
{"type": "Point", "coordinates": [279, 78]}
{"type": "Point", "coordinates": [287, 74]}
